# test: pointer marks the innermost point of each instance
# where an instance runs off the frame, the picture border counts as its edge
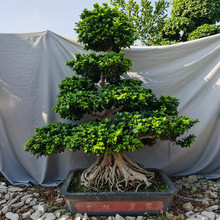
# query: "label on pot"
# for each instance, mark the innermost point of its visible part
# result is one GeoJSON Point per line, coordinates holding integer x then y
{"type": "Point", "coordinates": [114, 206]}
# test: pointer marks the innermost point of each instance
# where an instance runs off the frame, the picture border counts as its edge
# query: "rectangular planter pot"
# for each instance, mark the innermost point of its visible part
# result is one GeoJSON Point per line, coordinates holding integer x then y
{"type": "Point", "coordinates": [122, 203]}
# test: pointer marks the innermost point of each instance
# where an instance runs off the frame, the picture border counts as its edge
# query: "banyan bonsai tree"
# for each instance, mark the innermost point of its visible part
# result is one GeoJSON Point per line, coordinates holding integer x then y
{"type": "Point", "coordinates": [124, 115]}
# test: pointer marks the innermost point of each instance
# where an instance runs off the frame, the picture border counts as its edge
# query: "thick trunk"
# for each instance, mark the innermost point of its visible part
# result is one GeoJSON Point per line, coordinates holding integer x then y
{"type": "Point", "coordinates": [103, 79]}
{"type": "Point", "coordinates": [116, 173]}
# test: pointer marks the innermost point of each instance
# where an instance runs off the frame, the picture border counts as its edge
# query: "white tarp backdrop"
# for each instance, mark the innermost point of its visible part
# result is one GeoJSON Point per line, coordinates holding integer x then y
{"type": "Point", "coordinates": [33, 64]}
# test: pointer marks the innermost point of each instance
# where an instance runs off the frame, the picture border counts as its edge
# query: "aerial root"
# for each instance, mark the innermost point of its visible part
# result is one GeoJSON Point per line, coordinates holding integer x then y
{"type": "Point", "coordinates": [115, 173]}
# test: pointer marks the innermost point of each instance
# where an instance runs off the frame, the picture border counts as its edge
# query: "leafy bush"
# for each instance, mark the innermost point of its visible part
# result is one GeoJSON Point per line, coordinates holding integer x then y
{"type": "Point", "coordinates": [204, 31]}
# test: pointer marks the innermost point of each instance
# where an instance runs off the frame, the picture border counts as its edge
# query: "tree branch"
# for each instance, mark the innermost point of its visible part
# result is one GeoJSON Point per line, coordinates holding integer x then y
{"type": "Point", "coordinates": [98, 117]}
{"type": "Point", "coordinates": [145, 137]}
{"type": "Point", "coordinates": [102, 83]}
{"type": "Point", "coordinates": [110, 48]}
{"type": "Point", "coordinates": [107, 114]}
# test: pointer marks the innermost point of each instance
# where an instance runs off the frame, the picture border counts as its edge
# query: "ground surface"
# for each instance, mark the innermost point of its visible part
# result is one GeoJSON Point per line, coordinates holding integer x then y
{"type": "Point", "coordinates": [200, 193]}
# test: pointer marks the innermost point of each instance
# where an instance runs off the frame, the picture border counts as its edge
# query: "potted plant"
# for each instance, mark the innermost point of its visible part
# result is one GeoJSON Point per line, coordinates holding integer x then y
{"type": "Point", "coordinates": [125, 116]}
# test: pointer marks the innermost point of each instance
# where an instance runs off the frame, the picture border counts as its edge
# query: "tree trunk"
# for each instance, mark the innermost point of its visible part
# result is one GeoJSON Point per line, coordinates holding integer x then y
{"type": "Point", "coordinates": [115, 172]}
{"type": "Point", "coordinates": [103, 83]}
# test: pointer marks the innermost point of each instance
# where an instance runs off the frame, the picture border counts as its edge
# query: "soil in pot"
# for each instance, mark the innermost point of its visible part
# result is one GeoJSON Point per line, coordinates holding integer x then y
{"type": "Point", "coordinates": [157, 186]}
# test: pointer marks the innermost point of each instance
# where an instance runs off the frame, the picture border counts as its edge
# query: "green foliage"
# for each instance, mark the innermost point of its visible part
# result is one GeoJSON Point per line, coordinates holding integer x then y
{"type": "Point", "coordinates": [157, 127]}
{"type": "Point", "coordinates": [174, 26]}
{"type": "Point", "coordinates": [105, 28]}
{"type": "Point", "coordinates": [198, 11]}
{"type": "Point", "coordinates": [49, 139]}
{"type": "Point", "coordinates": [204, 31]}
{"type": "Point", "coordinates": [102, 137]}
{"type": "Point", "coordinates": [164, 188]}
{"type": "Point", "coordinates": [147, 19]}
{"type": "Point", "coordinates": [73, 101]}
{"type": "Point", "coordinates": [126, 115]}
{"type": "Point", "coordinates": [144, 116]}
{"type": "Point", "coordinates": [190, 19]}
{"type": "Point", "coordinates": [77, 96]}
{"type": "Point", "coordinates": [112, 65]}
{"type": "Point", "coordinates": [128, 94]}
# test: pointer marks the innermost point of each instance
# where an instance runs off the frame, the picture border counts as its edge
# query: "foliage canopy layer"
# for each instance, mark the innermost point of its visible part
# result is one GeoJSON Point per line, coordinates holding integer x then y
{"type": "Point", "coordinates": [105, 28]}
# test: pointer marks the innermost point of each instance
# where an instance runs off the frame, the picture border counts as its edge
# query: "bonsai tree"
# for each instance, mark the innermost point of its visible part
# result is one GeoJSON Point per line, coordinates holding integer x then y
{"type": "Point", "coordinates": [124, 115]}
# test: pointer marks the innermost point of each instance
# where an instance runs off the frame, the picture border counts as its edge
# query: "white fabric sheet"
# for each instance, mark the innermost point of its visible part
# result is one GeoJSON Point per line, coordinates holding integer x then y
{"type": "Point", "coordinates": [33, 64]}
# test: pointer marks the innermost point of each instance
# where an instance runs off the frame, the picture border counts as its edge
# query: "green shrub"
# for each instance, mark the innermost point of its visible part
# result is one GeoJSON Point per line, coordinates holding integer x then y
{"type": "Point", "coordinates": [204, 31]}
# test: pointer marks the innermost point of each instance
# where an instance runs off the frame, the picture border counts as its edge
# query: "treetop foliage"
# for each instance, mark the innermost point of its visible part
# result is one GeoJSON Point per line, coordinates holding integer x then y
{"type": "Point", "coordinates": [198, 11]}
{"type": "Point", "coordinates": [199, 14]}
{"type": "Point", "coordinates": [148, 20]}
{"type": "Point", "coordinates": [105, 28]}
{"type": "Point", "coordinates": [189, 20]}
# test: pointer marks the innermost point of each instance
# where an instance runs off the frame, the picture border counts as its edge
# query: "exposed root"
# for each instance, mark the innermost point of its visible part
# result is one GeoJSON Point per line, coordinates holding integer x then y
{"type": "Point", "coordinates": [115, 172]}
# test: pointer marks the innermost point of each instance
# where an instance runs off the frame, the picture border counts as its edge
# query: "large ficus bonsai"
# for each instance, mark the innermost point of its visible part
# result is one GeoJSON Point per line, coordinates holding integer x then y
{"type": "Point", "coordinates": [125, 115]}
